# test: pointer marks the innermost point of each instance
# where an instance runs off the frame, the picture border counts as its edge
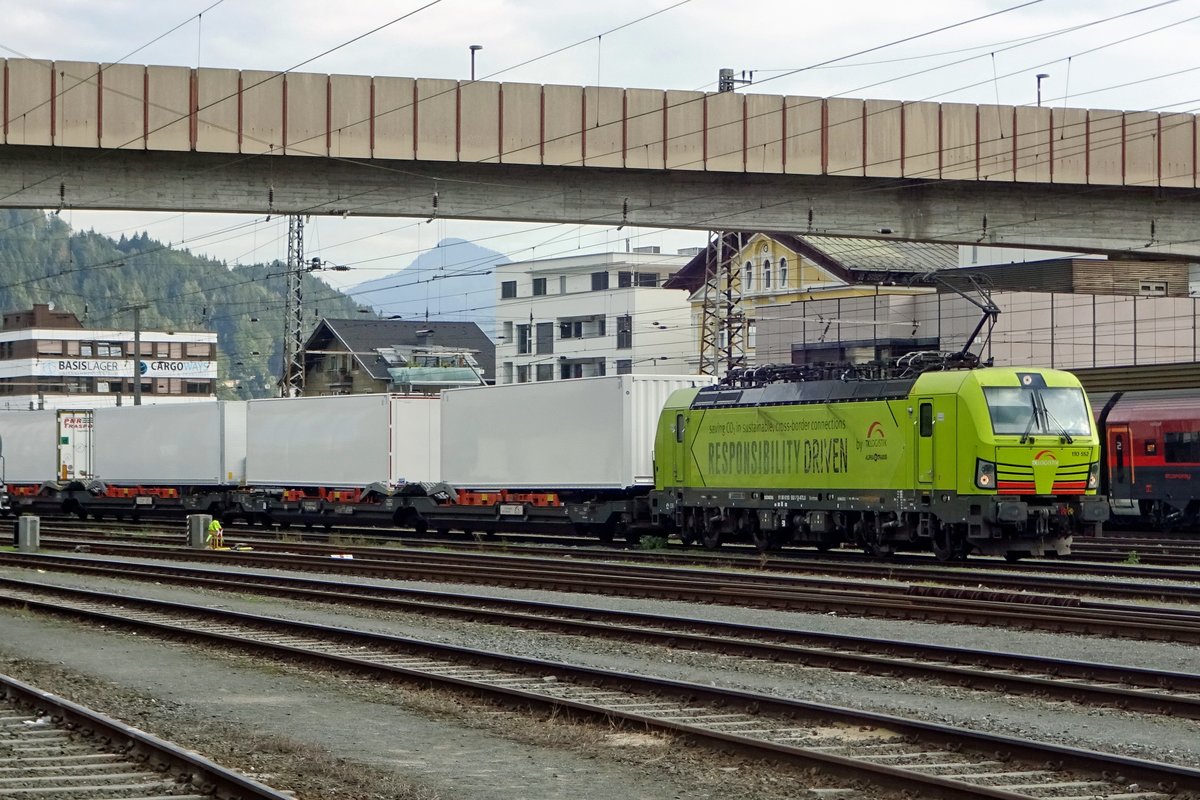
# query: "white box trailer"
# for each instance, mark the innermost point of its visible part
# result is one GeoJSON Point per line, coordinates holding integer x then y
{"type": "Point", "coordinates": [186, 444]}
{"type": "Point", "coordinates": [587, 433]}
{"type": "Point", "coordinates": [343, 441]}
{"type": "Point", "coordinates": [29, 445]}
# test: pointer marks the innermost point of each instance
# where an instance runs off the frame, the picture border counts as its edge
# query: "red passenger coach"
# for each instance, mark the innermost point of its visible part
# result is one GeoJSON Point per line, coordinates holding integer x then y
{"type": "Point", "coordinates": [1152, 454]}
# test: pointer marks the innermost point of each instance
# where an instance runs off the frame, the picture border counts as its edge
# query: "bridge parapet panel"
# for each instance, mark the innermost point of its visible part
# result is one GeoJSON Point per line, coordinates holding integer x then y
{"type": "Point", "coordinates": [28, 85]}
{"type": "Point", "coordinates": [563, 128]}
{"type": "Point", "coordinates": [169, 113]}
{"type": "Point", "coordinates": [644, 137]}
{"type": "Point", "coordinates": [803, 150]}
{"type": "Point", "coordinates": [522, 123]}
{"type": "Point", "coordinates": [350, 120]}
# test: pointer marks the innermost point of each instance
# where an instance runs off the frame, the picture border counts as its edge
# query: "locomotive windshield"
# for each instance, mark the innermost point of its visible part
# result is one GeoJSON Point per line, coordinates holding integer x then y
{"type": "Point", "coordinates": [1037, 411]}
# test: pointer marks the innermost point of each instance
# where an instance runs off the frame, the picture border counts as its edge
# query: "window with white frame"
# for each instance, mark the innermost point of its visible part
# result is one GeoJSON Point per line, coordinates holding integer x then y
{"type": "Point", "coordinates": [783, 281]}
{"type": "Point", "coordinates": [748, 277]}
{"type": "Point", "coordinates": [766, 274]}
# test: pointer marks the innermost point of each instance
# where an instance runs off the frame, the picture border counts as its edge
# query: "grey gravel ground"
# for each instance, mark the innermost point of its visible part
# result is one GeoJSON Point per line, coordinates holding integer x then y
{"type": "Point", "coordinates": [1176, 741]}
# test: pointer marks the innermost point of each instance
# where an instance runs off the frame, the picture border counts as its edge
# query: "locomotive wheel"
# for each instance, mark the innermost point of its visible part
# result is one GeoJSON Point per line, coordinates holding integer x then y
{"type": "Point", "coordinates": [687, 531]}
{"type": "Point", "coordinates": [943, 543]}
{"type": "Point", "coordinates": [764, 541]}
{"type": "Point", "coordinates": [713, 535]}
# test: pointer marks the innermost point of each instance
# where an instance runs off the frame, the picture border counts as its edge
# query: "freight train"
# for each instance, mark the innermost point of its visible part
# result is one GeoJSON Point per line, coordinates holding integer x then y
{"type": "Point", "coordinates": [987, 460]}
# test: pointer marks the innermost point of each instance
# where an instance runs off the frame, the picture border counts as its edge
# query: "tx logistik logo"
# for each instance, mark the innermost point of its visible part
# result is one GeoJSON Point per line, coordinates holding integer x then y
{"type": "Point", "coordinates": [875, 440]}
{"type": "Point", "coordinates": [1045, 458]}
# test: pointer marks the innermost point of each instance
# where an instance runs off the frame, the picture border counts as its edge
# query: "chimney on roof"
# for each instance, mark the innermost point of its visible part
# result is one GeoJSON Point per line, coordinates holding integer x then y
{"type": "Point", "coordinates": [425, 337]}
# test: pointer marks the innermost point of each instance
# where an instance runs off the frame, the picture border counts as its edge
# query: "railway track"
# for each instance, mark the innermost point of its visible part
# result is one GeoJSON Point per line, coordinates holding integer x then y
{"type": "Point", "coordinates": [850, 563]}
{"type": "Point", "coordinates": [1135, 583]}
{"type": "Point", "coordinates": [51, 747]}
{"type": "Point", "coordinates": [1129, 688]}
{"type": "Point", "coordinates": [884, 750]}
{"type": "Point", "coordinates": [888, 599]}
{"type": "Point", "coordinates": [1120, 551]}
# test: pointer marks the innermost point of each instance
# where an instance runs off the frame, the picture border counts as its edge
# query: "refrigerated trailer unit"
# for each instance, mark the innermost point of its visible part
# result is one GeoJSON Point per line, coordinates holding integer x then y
{"type": "Point", "coordinates": [586, 435]}
{"type": "Point", "coordinates": [188, 444]}
{"type": "Point", "coordinates": [336, 459]}
{"type": "Point", "coordinates": [570, 453]}
{"type": "Point", "coordinates": [346, 441]}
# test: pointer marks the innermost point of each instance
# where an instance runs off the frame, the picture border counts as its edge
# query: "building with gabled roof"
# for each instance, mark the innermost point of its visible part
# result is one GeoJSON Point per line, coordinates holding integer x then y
{"type": "Point", "coordinates": [355, 356]}
{"type": "Point", "coordinates": [770, 269]}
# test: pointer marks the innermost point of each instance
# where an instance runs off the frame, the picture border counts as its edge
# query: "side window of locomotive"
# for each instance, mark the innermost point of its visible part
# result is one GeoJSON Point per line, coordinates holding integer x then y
{"type": "Point", "coordinates": [679, 427]}
{"type": "Point", "coordinates": [927, 419]}
{"type": "Point", "coordinates": [1181, 447]}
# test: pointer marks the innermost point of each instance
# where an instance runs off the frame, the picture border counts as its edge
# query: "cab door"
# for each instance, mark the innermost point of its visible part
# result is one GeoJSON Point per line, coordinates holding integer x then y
{"type": "Point", "coordinates": [1120, 461]}
{"type": "Point", "coordinates": [925, 449]}
{"type": "Point", "coordinates": [679, 452]}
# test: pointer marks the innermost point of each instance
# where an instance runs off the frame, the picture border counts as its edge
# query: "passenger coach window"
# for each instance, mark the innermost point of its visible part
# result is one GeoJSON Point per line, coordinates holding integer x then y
{"type": "Point", "coordinates": [1181, 447]}
{"type": "Point", "coordinates": [927, 419]}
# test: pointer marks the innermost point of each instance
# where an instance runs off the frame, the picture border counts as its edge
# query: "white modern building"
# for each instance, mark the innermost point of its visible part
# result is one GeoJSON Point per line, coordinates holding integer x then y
{"type": "Point", "coordinates": [49, 360]}
{"type": "Point", "coordinates": [601, 314]}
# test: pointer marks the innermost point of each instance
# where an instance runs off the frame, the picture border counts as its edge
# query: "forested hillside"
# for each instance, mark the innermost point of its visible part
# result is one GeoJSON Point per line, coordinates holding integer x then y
{"type": "Point", "coordinates": [43, 261]}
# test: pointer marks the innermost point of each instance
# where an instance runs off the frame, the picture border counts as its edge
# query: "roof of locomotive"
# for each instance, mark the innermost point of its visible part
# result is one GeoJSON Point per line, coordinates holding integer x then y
{"type": "Point", "coordinates": [843, 391]}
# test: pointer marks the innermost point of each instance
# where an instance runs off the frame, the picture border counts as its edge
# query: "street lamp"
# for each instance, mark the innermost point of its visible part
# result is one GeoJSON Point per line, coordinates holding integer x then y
{"type": "Point", "coordinates": [1041, 76]}
{"type": "Point", "coordinates": [474, 49]}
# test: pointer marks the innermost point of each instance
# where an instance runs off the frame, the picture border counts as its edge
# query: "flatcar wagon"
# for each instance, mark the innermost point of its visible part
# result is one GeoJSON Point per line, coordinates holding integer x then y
{"type": "Point", "coordinates": [995, 461]}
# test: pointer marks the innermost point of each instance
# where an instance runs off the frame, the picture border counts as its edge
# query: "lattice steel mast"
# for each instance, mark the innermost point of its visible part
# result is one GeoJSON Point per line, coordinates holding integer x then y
{"type": "Point", "coordinates": [722, 316]}
{"type": "Point", "coordinates": [291, 383]}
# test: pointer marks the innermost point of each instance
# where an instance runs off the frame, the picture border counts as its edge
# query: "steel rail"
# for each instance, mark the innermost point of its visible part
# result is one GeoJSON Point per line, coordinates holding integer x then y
{"type": "Point", "coordinates": [139, 759]}
{"type": "Point", "coordinates": [754, 722]}
{"type": "Point", "coordinates": [1125, 687]}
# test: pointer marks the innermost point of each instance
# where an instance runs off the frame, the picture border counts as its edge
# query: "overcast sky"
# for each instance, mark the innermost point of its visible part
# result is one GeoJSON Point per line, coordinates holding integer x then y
{"type": "Point", "coordinates": [1123, 63]}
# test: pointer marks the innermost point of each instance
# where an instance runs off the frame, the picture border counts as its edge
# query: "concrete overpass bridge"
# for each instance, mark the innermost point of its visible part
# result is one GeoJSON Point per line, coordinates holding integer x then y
{"type": "Point", "coordinates": [119, 136]}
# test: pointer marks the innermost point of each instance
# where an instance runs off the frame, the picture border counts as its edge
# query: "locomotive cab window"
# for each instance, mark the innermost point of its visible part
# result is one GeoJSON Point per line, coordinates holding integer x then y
{"type": "Point", "coordinates": [1044, 411]}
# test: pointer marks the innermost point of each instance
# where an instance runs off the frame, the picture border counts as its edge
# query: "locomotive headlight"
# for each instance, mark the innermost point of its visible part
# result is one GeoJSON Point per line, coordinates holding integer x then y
{"type": "Point", "coordinates": [1094, 475]}
{"type": "Point", "coordinates": [985, 474]}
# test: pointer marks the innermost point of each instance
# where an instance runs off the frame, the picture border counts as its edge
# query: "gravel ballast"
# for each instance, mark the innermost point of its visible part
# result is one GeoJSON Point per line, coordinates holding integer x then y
{"type": "Point", "coordinates": [430, 753]}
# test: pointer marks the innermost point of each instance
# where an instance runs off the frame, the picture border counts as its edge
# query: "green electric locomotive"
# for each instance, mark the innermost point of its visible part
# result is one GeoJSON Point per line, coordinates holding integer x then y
{"type": "Point", "coordinates": [995, 461]}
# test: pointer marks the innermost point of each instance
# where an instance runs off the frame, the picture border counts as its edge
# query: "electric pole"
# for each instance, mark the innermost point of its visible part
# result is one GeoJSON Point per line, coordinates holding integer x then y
{"type": "Point", "coordinates": [291, 382]}
{"type": "Point", "coordinates": [722, 316]}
